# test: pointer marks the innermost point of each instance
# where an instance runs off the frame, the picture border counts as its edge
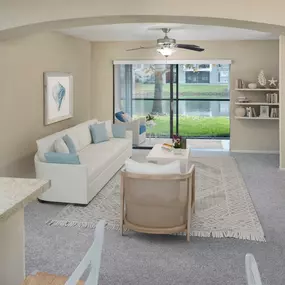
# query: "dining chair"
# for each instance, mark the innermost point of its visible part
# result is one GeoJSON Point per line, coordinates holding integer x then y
{"type": "Point", "coordinates": [92, 258]}
{"type": "Point", "coordinates": [252, 272]}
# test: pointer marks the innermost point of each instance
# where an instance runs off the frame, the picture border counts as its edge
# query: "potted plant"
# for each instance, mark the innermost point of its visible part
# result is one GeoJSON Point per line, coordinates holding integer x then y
{"type": "Point", "coordinates": [177, 145]}
{"type": "Point", "coordinates": [150, 120]}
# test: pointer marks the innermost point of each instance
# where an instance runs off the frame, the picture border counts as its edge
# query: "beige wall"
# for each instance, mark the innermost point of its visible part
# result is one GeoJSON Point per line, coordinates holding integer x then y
{"type": "Point", "coordinates": [23, 62]}
{"type": "Point", "coordinates": [248, 58]}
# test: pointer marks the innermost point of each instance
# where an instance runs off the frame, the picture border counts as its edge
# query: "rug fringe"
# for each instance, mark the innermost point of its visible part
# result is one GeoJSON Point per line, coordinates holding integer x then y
{"type": "Point", "coordinates": [256, 236]}
{"type": "Point", "coordinates": [89, 225]}
{"type": "Point", "coordinates": [214, 234]}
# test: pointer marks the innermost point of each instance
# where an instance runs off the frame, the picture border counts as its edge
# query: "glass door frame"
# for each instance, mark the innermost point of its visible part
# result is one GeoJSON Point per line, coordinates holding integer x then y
{"type": "Point", "coordinates": [174, 100]}
{"type": "Point", "coordinates": [174, 92]}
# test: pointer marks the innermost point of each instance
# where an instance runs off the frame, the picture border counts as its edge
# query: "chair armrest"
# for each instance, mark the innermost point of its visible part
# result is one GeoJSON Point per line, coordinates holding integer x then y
{"type": "Point", "coordinates": [129, 135]}
{"type": "Point", "coordinates": [142, 120]}
{"type": "Point", "coordinates": [133, 126]}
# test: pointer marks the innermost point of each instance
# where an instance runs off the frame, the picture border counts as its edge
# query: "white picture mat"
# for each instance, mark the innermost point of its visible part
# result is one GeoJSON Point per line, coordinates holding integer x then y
{"type": "Point", "coordinates": [52, 114]}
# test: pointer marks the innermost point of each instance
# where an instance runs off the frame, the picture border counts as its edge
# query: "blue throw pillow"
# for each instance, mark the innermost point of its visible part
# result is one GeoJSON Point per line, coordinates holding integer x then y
{"type": "Point", "coordinates": [142, 129]}
{"type": "Point", "coordinates": [99, 133]}
{"type": "Point", "coordinates": [62, 158]}
{"type": "Point", "coordinates": [120, 116]}
{"type": "Point", "coordinates": [119, 131]}
{"type": "Point", "coordinates": [70, 144]}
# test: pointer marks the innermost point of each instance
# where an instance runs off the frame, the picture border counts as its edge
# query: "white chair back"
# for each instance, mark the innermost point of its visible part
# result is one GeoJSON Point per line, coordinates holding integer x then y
{"type": "Point", "coordinates": [92, 257]}
{"type": "Point", "coordinates": [252, 272]}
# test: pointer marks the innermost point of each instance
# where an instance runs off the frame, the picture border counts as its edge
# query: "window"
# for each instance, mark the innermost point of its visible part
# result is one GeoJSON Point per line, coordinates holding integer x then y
{"type": "Point", "coordinates": [197, 77]}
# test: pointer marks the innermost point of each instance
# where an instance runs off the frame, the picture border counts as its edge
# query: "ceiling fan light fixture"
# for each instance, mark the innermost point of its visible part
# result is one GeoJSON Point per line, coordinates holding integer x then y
{"type": "Point", "coordinates": [166, 51]}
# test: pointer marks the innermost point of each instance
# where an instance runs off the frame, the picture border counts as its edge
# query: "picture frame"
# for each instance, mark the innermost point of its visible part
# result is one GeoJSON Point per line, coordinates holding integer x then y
{"type": "Point", "coordinates": [264, 111]}
{"type": "Point", "coordinates": [58, 97]}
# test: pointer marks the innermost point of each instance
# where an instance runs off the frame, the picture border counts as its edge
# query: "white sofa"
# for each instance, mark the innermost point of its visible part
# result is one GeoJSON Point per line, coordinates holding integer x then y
{"type": "Point", "coordinates": [79, 184]}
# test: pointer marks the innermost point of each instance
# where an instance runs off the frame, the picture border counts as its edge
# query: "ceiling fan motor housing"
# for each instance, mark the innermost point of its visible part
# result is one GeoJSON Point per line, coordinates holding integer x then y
{"type": "Point", "coordinates": [167, 42]}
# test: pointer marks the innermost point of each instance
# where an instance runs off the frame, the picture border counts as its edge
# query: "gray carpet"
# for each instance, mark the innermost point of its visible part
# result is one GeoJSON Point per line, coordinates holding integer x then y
{"type": "Point", "coordinates": [144, 259]}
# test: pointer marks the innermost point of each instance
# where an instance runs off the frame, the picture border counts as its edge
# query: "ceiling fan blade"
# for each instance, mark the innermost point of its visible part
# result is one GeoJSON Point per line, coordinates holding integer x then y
{"type": "Point", "coordinates": [140, 48]}
{"type": "Point", "coordinates": [190, 47]}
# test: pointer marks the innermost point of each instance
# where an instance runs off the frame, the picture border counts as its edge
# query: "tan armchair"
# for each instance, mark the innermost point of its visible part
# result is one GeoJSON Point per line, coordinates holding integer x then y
{"type": "Point", "coordinates": [157, 204]}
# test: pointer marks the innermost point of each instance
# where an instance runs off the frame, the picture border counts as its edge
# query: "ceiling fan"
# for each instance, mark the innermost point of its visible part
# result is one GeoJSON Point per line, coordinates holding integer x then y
{"type": "Point", "coordinates": [167, 46]}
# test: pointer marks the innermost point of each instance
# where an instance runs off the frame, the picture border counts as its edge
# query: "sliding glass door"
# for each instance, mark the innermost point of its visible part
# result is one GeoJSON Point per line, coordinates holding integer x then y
{"type": "Point", "coordinates": [203, 101]}
{"type": "Point", "coordinates": [190, 100]}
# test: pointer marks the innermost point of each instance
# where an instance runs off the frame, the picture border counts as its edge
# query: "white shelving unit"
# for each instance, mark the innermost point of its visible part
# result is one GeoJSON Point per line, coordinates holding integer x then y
{"type": "Point", "coordinates": [257, 104]}
{"type": "Point", "coordinates": [258, 92]}
{"type": "Point", "coordinates": [256, 118]}
{"type": "Point", "coordinates": [255, 90]}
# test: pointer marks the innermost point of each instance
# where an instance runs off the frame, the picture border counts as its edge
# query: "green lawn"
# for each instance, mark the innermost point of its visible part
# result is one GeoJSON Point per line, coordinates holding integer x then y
{"type": "Point", "coordinates": [185, 90]}
{"type": "Point", "coordinates": [194, 126]}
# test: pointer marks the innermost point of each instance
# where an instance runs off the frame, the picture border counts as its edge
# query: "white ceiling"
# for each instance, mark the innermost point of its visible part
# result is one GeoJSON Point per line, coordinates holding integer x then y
{"type": "Point", "coordinates": [150, 31]}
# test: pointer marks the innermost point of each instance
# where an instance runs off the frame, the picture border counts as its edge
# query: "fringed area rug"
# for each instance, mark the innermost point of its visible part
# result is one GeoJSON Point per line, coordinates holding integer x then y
{"type": "Point", "coordinates": [223, 205]}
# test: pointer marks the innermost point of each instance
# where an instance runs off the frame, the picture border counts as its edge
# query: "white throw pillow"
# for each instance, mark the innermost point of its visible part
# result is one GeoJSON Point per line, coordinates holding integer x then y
{"type": "Point", "coordinates": [60, 146]}
{"type": "Point", "coordinates": [151, 168]}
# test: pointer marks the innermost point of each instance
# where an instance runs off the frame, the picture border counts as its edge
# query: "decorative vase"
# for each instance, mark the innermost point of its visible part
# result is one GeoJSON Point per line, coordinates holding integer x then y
{"type": "Point", "coordinates": [252, 85]}
{"type": "Point", "coordinates": [262, 79]}
{"type": "Point", "coordinates": [240, 111]}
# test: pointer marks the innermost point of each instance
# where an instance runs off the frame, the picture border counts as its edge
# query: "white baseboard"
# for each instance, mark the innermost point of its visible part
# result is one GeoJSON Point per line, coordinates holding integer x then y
{"type": "Point", "coordinates": [257, 151]}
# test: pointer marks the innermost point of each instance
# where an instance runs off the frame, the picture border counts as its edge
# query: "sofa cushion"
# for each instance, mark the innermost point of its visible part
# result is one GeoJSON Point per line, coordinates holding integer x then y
{"type": "Point", "coordinates": [99, 133]}
{"type": "Point", "coordinates": [98, 157]}
{"type": "Point", "coordinates": [62, 158]}
{"type": "Point", "coordinates": [80, 135]}
{"type": "Point", "coordinates": [60, 146]}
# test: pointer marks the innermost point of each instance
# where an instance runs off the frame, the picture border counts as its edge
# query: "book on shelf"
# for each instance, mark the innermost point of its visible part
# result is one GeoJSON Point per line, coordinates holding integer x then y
{"type": "Point", "coordinates": [250, 112]}
{"type": "Point", "coordinates": [240, 84]}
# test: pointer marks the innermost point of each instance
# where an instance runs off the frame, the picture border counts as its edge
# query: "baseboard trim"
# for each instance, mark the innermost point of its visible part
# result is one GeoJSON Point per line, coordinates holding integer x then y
{"type": "Point", "coordinates": [257, 151]}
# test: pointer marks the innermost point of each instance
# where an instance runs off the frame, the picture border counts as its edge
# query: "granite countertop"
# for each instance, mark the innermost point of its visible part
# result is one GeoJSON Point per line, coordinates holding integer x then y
{"type": "Point", "coordinates": [16, 193]}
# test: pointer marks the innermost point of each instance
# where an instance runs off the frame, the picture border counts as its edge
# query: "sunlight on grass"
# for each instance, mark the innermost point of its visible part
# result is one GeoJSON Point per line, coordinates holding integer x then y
{"type": "Point", "coordinates": [193, 126]}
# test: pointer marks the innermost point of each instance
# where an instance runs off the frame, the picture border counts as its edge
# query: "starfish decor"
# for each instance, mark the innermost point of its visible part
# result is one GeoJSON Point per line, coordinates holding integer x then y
{"type": "Point", "coordinates": [272, 82]}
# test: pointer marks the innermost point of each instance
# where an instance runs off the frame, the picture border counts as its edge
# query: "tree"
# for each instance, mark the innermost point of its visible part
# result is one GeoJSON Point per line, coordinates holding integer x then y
{"type": "Point", "coordinates": [158, 70]}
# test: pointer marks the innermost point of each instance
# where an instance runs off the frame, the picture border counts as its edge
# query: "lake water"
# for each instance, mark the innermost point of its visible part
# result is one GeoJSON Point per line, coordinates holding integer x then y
{"type": "Point", "coordinates": [186, 108]}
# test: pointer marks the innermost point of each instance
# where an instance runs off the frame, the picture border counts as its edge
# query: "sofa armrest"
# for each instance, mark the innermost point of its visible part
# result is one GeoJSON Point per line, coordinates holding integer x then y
{"type": "Point", "coordinates": [69, 182]}
{"type": "Point", "coordinates": [129, 135]}
{"type": "Point", "coordinates": [56, 170]}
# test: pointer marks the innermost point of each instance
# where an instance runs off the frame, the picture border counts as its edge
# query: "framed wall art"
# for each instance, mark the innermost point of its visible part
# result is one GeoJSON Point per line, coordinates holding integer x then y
{"type": "Point", "coordinates": [58, 97]}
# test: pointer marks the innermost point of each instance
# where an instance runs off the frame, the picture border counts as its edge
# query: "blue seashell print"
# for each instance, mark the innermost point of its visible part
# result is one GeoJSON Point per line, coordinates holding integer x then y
{"type": "Point", "coordinates": [58, 94]}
